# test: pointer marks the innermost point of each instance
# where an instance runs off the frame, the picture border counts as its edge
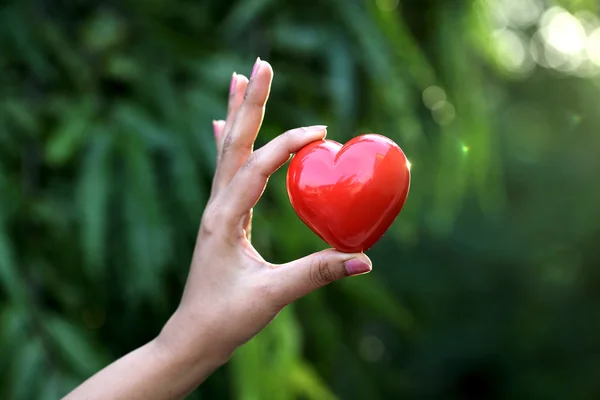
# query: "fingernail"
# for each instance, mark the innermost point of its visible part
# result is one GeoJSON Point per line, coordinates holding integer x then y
{"type": "Point", "coordinates": [215, 127]}
{"type": "Point", "coordinates": [232, 84]}
{"type": "Point", "coordinates": [316, 128]}
{"type": "Point", "coordinates": [255, 68]}
{"type": "Point", "coordinates": [357, 267]}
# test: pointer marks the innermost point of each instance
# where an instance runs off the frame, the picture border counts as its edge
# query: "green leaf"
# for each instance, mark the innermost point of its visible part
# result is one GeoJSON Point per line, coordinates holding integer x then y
{"type": "Point", "coordinates": [370, 293]}
{"type": "Point", "coordinates": [9, 276]}
{"type": "Point", "coordinates": [52, 387]}
{"type": "Point", "coordinates": [70, 133]}
{"type": "Point", "coordinates": [186, 182]}
{"type": "Point", "coordinates": [243, 13]}
{"type": "Point", "coordinates": [148, 237]}
{"type": "Point", "coordinates": [301, 38]}
{"type": "Point", "coordinates": [23, 116]}
{"type": "Point", "coordinates": [75, 346]}
{"type": "Point", "coordinates": [261, 367]}
{"type": "Point", "coordinates": [307, 384]}
{"type": "Point", "coordinates": [68, 57]}
{"type": "Point", "coordinates": [26, 370]}
{"type": "Point", "coordinates": [93, 197]}
{"type": "Point", "coordinates": [13, 322]}
{"type": "Point", "coordinates": [342, 78]}
{"type": "Point", "coordinates": [135, 121]}
{"type": "Point", "coordinates": [104, 30]}
{"type": "Point", "coordinates": [23, 35]}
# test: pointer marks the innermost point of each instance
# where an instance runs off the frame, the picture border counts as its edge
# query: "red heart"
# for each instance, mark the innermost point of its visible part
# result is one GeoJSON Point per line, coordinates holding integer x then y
{"type": "Point", "coordinates": [349, 195]}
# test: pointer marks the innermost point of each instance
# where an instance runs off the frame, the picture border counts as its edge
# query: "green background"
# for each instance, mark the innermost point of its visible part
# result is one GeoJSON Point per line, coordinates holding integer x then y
{"type": "Point", "coordinates": [487, 286]}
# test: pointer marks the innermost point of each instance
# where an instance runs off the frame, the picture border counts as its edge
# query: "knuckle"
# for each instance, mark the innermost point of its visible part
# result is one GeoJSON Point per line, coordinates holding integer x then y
{"type": "Point", "coordinates": [253, 100]}
{"type": "Point", "coordinates": [289, 138]}
{"type": "Point", "coordinates": [250, 162]}
{"type": "Point", "coordinates": [211, 220]}
{"type": "Point", "coordinates": [253, 165]}
{"type": "Point", "coordinates": [321, 273]}
{"type": "Point", "coordinates": [289, 135]}
{"type": "Point", "coordinates": [227, 143]}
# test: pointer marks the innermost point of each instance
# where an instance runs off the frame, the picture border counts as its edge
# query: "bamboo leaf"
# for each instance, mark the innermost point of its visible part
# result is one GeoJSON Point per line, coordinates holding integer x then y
{"type": "Point", "coordinates": [371, 294]}
{"type": "Point", "coordinates": [243, 13]}
{"type": "Point", "coordinates": [51, 389]}
{"type": "Point", "coordinates": [22, 116]}
{"type": "Point", "coordinates": [93, 197]}
{"type": "Point", "coordinates": [307, 384]}
{"type": "Point", "coordinates": [70, 133]}
{"type": "Point", "coordinates": [148, 237]}
{"type": "Point", "coordinates": [186, 181]}
{"type": "Point", "coordinates": [13, 322]}
{"type": "Point", "coordinates": [28, 365]}
{"type": "Point", "coordinates": [135, 121]}
{"type": "Point", "coordinates": [9, 276]}
{"type": "Point", "coordinates": [74, 346]}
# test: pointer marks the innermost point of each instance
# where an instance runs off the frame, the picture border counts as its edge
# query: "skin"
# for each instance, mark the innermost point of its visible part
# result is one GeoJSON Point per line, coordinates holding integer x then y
{"type": "Point", "coordinates": [231, 293]}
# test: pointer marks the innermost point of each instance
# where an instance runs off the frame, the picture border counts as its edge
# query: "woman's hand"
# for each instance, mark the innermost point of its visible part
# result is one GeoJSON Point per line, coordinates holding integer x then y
{"type": "Point", "coordinates": [231, 293]}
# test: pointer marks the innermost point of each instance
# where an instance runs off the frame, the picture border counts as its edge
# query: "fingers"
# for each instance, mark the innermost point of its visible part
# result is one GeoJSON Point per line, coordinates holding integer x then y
{"type": "Point", "coordinates": [249, 183]}
{"type": "Point", "coordinates": [237, 88]}
{"type": "Point", "coordinates": [218, 127]}
{"type": "Point", "coordinates": [300, 277]}
{"type": "Point", "coordinates": [241, 133]}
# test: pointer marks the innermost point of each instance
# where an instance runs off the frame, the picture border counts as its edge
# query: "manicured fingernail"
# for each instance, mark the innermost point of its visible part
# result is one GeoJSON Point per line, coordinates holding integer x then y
{"type": "Point", "coordinates": [255, 68]}
{"type": "Point", "coordinates": [357, 267]}
{"type": "Point", "coordinates": [232, 84]}
{"type": "Point", "coordinates": [215, 127]}
{"type": "Point", "coordinates": [316, 128]}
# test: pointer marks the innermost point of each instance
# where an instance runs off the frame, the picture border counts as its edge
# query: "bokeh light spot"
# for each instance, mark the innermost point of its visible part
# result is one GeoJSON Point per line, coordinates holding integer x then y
{"type": "Point", "coordinates": [563, 31]}
{"type": "Point", "coordinates": [371, 348]}
{"type": "Point", "coordinates": [593, 47]}
{"type": "Point", "coordinates": [521, 13]}
{"type": "Point", "coordinates": [554, 58]}
{"type": "Point", "coordinates": [512, 51]}
{"type": "Point", "coordinates": [433, 96]}
{"type": "Point", "coordinates": [443, 113]}
{"type": "Point", "coordinates": [93, 318]}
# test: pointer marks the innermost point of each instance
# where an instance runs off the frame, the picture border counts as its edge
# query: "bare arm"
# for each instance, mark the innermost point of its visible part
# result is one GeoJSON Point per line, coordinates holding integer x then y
{"type": "Point", "coordinates": [152, 371]}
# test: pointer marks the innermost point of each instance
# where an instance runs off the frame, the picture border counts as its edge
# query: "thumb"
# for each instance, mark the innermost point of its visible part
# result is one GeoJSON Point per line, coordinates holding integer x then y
{"type": "Point", "coordinates": [300, 277]}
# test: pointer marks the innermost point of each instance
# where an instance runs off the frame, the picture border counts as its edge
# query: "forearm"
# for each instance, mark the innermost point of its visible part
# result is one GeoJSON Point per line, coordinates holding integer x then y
{"type": "Point", "coordinates": [153, 371]}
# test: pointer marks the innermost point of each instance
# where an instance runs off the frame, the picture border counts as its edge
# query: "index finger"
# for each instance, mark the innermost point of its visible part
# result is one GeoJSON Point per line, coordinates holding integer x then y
{"type": "Point", "coordinates": [249, 183]}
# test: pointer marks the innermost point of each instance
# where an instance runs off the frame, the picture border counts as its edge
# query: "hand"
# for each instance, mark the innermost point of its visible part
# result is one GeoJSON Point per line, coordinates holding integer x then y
{"type": "Point", "coordinates": [232, 292]}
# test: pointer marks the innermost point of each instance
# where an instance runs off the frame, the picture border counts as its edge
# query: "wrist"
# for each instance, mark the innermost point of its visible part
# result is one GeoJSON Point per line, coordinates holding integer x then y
{"type": "Point", "coordinates": [187, 343]}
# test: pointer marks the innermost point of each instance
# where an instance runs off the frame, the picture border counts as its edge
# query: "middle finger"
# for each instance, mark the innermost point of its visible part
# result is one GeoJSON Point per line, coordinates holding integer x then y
{"type": "Point", "coordinates": [241, 134]}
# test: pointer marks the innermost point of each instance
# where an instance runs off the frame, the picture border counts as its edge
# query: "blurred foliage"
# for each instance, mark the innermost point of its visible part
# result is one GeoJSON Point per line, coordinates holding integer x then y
{"type": "Point", "coordinates": [484, 288]}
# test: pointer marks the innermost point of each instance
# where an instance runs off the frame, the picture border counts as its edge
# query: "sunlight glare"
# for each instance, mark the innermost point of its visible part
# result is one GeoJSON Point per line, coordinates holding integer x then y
{"type": "Point", "coordinates": [593, 47]}
{"type": "Point", "coordinates": [512, 51]}
{"type": "Point", "coordinates": [563, 31]}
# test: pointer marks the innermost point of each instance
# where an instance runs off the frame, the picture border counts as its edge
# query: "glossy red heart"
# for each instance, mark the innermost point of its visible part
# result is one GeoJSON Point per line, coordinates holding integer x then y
{"type": "Point", "coordinates": [349, 195]}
